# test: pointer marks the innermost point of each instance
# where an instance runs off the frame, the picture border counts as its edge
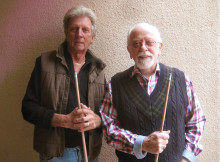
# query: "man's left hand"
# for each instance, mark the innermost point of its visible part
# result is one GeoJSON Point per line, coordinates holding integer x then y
{"type": "Point", "coordinates": [85, 119]}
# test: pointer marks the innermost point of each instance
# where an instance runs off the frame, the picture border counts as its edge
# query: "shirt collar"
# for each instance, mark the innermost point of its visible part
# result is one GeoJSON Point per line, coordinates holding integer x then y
{"type": "Point", "coordinates": [136, 71]}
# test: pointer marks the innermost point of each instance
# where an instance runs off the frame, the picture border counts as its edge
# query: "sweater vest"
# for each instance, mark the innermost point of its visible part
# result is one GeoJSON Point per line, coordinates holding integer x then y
{"type": "Point", "coordinates": [141, 113]}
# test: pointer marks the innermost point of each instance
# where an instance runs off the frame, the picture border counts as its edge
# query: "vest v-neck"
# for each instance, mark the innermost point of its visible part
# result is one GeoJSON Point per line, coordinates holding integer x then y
{"type": "Point", "coordinates": [134, 83]}
{"type": "Point", "coordinates": [160, 82]}
{"type": "Point", "coordinates": [151, 105]}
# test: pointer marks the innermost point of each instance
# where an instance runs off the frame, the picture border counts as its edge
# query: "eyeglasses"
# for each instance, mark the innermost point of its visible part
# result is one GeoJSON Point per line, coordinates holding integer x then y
{"type": "Point", "coordinates": [148, 44]}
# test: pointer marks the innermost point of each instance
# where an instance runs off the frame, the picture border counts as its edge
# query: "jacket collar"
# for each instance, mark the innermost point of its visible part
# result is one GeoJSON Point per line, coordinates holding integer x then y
{"type": "Point", "coordinates": [97, 65]}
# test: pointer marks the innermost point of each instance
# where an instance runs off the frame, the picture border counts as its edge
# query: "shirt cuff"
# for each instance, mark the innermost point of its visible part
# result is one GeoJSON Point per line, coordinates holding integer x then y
{"type": "Point", "coordinates": [138, 147]}
{"type": "Point", "coordinates": [189, 155]}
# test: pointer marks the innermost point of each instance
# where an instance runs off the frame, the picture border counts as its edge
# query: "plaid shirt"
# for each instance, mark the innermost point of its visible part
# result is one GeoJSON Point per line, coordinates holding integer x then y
{"type": "Point", "coordinates": [123, 140]}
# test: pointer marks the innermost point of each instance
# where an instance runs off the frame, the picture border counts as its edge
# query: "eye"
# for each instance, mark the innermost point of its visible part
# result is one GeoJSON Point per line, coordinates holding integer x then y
{"type": "Point", "coordinates": [73, 29]}
{"type": "Point", "coordinates": [150, 43]}
{"type": "Point", "coordinates": [136, 44]}
{"type": "Point", "coordinates": [86, 30]}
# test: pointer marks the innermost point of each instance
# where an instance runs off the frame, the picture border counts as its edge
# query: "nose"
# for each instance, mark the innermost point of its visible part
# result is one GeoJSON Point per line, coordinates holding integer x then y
{"type": "Point", "coordinates": [143, 46]}
{"type": "Point", "coordinates": [79, 32]}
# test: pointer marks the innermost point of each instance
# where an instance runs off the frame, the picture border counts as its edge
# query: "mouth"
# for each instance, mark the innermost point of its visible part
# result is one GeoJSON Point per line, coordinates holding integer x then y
{"type": "Point", "coordinates": [144, 57]}
{"type": "Point", "coordinates": [79, 42]}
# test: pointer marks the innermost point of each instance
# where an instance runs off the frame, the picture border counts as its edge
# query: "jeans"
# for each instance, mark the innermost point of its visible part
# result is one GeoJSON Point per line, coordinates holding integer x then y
{"type": "Point", "coordinates": [70, 155]}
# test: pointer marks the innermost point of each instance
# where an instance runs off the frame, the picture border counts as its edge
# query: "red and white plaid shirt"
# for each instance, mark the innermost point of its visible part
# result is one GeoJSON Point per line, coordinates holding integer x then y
{"type": "Point", "coordinates": [123, 140]}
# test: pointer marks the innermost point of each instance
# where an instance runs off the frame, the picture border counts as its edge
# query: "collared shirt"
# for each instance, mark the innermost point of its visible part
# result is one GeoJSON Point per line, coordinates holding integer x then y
{"type": "Point", "coordinates": [125, 141]}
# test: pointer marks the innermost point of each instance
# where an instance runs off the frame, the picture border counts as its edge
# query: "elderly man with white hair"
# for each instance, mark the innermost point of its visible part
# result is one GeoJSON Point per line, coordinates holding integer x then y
{"type": "Point", "coordinates": [132, 108]}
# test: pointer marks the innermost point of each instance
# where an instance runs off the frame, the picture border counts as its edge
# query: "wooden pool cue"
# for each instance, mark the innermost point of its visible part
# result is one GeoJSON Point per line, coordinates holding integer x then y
{"type": "Point", "coordinates": [164, 110]}
{"type": "Point", "coordinates": [79, 105]}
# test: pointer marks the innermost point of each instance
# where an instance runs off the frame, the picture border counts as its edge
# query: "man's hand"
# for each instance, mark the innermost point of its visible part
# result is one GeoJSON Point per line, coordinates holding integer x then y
{"type": "Point", "coordinates": [85, 119]}
{"type": "Point", "coordinates": [61, 120]}
{"type": "Point", "coordinates": [79, 119]}
{"type": "Point", "coordinates": [156, 142]}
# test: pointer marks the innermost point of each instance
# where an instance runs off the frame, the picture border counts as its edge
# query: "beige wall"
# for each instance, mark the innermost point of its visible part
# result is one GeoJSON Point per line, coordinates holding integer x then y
{"type": "Point", "coordinates": [190, 31]}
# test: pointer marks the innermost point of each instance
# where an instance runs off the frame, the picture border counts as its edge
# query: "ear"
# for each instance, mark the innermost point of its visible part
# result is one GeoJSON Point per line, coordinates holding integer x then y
{"type": "Point", "coordinates": [129, 50]}
{"type": "Point", "coordinates": [160, 48]}
{"type": "Point", "coordinates": [92, 39]}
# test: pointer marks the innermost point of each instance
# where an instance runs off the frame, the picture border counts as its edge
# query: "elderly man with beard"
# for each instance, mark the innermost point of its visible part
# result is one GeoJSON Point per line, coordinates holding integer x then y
{"type": "Point", "coordinates": [133, 105]}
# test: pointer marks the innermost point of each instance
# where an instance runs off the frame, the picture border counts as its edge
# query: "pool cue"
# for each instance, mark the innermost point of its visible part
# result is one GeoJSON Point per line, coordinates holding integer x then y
{"type": "Point", "coordinates": [164, 110]}
{"type": "Point", "coordinates": [79, 105]}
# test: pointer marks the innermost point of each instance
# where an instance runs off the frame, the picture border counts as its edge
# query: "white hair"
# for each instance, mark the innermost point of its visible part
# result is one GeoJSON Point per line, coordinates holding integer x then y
{"type": "Point", "coordinates": [148, 27]}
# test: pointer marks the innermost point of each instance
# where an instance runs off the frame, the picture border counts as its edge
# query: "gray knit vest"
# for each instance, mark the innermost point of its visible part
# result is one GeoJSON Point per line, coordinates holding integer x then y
{"type": "Point", "coordinates": [141, 114]}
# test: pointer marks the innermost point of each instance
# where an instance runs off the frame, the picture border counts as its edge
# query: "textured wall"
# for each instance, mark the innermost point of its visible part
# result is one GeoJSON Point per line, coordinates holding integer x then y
{"type": "Point", "coordinates": [190, 31]}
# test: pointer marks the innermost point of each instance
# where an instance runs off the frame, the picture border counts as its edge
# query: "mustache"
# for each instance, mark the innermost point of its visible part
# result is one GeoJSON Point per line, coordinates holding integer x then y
{"type": "Point", "coordinates": [147, 53]}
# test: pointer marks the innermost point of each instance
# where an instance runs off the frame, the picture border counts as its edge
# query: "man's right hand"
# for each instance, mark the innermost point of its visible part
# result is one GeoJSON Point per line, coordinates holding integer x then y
{"type": "Point", "coordinates": [66, 120]}
{"type": "Point", "coordinates": [156, 142]}
{"type": "Point", "coordinates": [61, 120]}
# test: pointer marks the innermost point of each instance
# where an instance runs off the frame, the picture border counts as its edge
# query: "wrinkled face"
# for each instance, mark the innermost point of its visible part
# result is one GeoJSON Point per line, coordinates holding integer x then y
{"type": "Point", "coordinates": [79, 34]}
{"type": "Point", "coordinates": [143, 48]}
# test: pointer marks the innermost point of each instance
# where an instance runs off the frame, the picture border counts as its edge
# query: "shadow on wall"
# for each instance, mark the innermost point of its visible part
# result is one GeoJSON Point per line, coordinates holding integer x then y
{"type": "Point", "coordinates": [16, 134]}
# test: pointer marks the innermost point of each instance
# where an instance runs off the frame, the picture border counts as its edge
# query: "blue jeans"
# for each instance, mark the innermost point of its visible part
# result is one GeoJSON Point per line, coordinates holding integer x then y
{"type": "Point", "coordinates": [70, 155]}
